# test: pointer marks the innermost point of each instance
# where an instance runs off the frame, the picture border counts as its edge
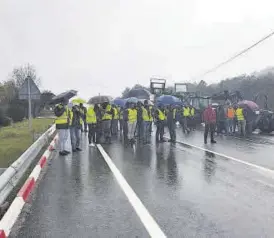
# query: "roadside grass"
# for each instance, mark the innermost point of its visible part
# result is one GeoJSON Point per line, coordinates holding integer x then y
{"type": "Point", "coordinates": [15, 139]}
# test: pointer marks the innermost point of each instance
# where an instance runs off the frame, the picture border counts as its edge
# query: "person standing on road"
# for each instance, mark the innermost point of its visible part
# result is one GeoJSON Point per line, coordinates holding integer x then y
{"type": "Point", "coordinates": [241, 118]}
{"type": "Point", "coordinates": [75, 128]}
{"type": "Point", "coordinates": [98, 129]}
{"type": "Point", "coordinates": [62, 122]}
{"type": "Point", "coordinates": [121, 120]}
{"type": "Point", "coordinates": [230, 118]}
{"type": "Point", "coordinates": [130, 116]}
{"type": "Point", "coordinates": [125, 124]}
{"type": "Point", "coordinates": [160, 123]}
{"type": "Point", "coordinates": [186, 115]}
{"type": "Point", "coordinates": [139, 126]}
{"type": "Point", "coordinates": [145, 122]}
{"type": "Point", "coordinates": [83, 111]}
{"type": "Point", "coordinates": [114, 122]}
{"type": "Point", "coordinates": [171, 123]}
{"type": "Point", "coordinates": [107, 115]}
{"type": "Point", "coordinates": [209, 118]}
{"type": "Point", "coordinates": [92, 124]}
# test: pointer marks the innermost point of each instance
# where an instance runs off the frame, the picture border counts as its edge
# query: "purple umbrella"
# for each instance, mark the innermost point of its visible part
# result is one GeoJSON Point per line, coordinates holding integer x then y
{"type": "Point", "coordinates": [252, 105]}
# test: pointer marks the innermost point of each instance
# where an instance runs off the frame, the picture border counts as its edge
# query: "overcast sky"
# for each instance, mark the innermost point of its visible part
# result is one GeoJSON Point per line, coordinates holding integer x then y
{"type": "Point", "coordinates": [102, 46]}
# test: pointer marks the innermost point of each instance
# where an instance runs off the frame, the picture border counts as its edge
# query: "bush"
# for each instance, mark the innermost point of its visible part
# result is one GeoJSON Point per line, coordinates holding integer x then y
{"type": "Point", "coordinates": [16, 112]}
{"type": "Point", "coordinates": [4, 121]}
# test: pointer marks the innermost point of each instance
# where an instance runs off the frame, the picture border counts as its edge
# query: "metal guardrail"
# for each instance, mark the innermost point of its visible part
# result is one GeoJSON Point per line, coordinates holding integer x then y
{"type": "Point", "coordinates": [12, 175]}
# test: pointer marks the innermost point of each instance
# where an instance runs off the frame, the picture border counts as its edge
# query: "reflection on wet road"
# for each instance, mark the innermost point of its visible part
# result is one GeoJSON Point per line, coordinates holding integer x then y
{"type": "Point", "coordinates": [188, 192]}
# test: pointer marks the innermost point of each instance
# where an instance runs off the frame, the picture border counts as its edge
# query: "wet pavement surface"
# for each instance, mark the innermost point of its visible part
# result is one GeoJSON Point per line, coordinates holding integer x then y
{"type": "Point", "coordinates": [189, 192]}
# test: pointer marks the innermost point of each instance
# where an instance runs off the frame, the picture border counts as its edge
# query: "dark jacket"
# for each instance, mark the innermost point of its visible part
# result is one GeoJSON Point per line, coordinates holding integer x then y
{"type": "Point", "coordinates": [209, 115]}
{"type": "Point", "coordinates": [76, 117]}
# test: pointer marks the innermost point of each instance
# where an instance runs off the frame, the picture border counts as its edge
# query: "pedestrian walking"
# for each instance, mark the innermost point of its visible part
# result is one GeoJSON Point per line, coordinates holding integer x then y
{"type": "Point", "coordinates": [107, 115]}
{"type": "Point", "coordinates": [62, 122]}
{"type": "Point", "coordinates": [209, 118]}
{"type": "Point", "coordinates": [130, 116]}
{"type": "Point", "coordinates": [92, 124]}
{"type": "Point", "coordinates": [171, 123]}
{"type": "Point", "coordinates": [160, 123]}
{"type": "Point", "coordinates": [241, 118]}
{"type": "Point", "coordinates": [75, 128]}
{"type": "Point", "coordinates": [83, 111]}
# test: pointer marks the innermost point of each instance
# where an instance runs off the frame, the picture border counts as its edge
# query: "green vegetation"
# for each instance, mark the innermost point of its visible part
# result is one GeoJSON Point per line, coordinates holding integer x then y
{"type": "Point", "coordinates": [15, 139]}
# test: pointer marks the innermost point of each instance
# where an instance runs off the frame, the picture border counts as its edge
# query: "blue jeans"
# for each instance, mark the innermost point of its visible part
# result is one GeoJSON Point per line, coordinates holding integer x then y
{"type": "Point", "coordinates": [229, 126]}
{"type": "Point", "coordinates": [75, 133]}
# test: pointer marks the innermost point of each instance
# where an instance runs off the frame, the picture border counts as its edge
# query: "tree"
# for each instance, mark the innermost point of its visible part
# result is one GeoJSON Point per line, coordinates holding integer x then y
{"type": "Point", "coordinates": [125, 92]}
{"type": "Point", "coordinates": [19, 74]}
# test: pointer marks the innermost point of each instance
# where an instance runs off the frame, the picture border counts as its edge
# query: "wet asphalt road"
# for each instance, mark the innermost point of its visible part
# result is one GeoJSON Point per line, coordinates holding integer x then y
{"type": "Point", "coordinates": [189, 192]}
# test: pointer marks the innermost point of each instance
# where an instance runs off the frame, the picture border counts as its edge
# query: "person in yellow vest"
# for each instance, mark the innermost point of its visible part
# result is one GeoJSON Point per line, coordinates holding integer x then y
{"type": "Point", "coordinates": [114, 122]}
{"type": "Point", "coordinates": [186, 116]}
{"type": "Point", "coordinates": [130, 116]}
{"type": "Point", "coordinates": [171, 123]}
{"type": "Point", "coordinates": [92, 124]}
{"type": "Point", "coordinates": [62, 122]}
{"type": "Point", "coordinates": [240, 114]}
{"type": "Point", "coordinates": [75, 127]}
{"type": "Point", "coordinates": [107, 115]}
{"type": "Point", "coordinates": [230, 118]}
{"type": "Point", "coordinates": [145, 122]}
{"type": "Point", "coordinates": [160, 118]}
{"type": "Point", "coordinates": [150, 110]}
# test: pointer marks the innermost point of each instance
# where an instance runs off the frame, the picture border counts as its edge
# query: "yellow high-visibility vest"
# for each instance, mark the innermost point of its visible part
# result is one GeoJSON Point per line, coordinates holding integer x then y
{"type": "Point", "coordinates": [106, 115]}
{"type": "Point", "coordinates": [91, 116]}
{"type": "Point", "coordinates": [162, 116]}
{"type": "Point", "coordinates": [64, 118]}
{"type": "Point", "coordinates": [186, 112]}
{"type": "Point", "coordinates": [116, 115]}
{"type": "Point", "coordinates": [145, 114]}
{"type": "Point", "coordinates": [240, 114]}
{"type": "Point", "coordinates": [132, 115]}
{"type": "Point", "coordinates": [150, 111]}
{"type": "Point", "coordinates": [174, 113]}
{"type": "Point", "coordinates": [192, 111]}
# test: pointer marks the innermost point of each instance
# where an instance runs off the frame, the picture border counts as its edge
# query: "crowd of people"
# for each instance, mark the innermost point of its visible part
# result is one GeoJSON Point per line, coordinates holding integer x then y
{"type": "Point", "coordinates": [134, 122]}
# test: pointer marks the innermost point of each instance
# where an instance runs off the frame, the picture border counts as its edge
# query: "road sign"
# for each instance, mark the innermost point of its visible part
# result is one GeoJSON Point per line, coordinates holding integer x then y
{"type": "Point", "coordinates": [29, 91]}
{"type": "Point", "coordinates": [180, 87]}
{"type": "Point", "coordinates": [34, 90]}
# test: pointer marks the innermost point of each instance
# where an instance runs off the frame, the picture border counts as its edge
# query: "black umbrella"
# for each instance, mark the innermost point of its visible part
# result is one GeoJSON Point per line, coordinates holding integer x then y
{"type": "Point", "coordinates": [100, 99]}
{"type": "Point", "coordinates": [139, 93]}
{"type": "Point", "coordinates": [63, 96]}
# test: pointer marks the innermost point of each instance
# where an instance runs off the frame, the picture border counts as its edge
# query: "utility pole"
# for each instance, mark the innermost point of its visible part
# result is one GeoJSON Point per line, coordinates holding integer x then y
{"type": "Point", "coordinates": [29, 100]}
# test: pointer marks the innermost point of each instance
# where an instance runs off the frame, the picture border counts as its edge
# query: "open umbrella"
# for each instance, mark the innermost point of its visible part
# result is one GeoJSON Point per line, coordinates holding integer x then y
{"type": "Point", "coordinates": [252, 105]}
{"type": "Point", "coordinates": [78, 101]}
{"type": "Point", "coordinates": [100, 99]}
{"type": "Point", "coordinates": [119, 102]}
{"type": "Point", "coordinates": [168, 100]}
{"type": "Point", "coordinates": [139, 93]}
{"type": "Point", "coordinates": [63, 96]}
{"type": "Point", "coordinates": [132, 100]}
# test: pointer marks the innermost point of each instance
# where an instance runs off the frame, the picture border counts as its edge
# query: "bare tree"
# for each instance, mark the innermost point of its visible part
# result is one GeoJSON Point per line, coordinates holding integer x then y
{"type": "Point", "coordinates": [19, 74]}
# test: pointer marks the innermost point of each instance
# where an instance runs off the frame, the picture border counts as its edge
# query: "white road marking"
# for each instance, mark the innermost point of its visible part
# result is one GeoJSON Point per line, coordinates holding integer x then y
{"type": "Point", "coordinates": [150, 224]}
{"type": "Point", "coordinates": [229, 157]}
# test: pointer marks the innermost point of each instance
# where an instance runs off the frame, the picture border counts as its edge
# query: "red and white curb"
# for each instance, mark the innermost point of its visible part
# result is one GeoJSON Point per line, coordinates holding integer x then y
{"type": "Point", "coordinates": [18, 203]}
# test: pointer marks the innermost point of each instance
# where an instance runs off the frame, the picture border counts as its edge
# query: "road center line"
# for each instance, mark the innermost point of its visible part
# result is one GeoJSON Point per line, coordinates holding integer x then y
{"type": "Point", "coordinates": [150, 224]}
{"type": "Point", "coordinates": [228, 157]}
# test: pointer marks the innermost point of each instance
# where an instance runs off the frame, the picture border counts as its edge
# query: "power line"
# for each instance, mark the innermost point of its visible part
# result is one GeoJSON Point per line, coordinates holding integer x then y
{"type": "Point", "coordinates": [238, 54]}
